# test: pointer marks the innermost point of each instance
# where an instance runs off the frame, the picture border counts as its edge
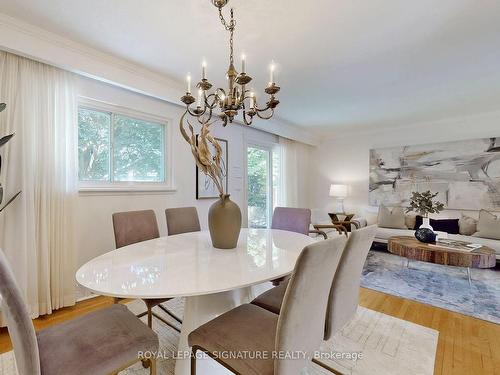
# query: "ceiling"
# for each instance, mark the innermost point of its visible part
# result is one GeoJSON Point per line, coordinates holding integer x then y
{"type": "Point", "coordinates": [341, 64]}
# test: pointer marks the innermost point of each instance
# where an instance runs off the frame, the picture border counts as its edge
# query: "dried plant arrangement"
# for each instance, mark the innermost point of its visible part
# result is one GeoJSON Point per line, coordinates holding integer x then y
{"type": "Point", "coordinates": [209, 163]}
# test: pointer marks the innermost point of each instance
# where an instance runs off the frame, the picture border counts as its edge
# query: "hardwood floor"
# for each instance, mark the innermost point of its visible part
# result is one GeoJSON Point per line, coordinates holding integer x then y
{"type": "Point", "coordinates": [466, 345]}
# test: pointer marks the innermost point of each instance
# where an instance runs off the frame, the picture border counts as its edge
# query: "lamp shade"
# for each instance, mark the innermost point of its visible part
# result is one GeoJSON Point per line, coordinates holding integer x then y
{"type": "Point", "coordinates": [339, 191]}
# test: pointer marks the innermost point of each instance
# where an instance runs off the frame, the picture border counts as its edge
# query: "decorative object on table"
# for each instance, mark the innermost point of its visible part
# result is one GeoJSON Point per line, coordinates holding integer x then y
{"type": "Point", "coordinates": [450, 226]}
{"type": "Point", "coordinates": [424, 204]}
{"type": "Point", "coordinates": [207, 150]}
{"type": "Point", "coordinates": [205, 186]}
{"type": "Point", "coordinates": [236, 97]}
{"type": "Point", "coordinates": [425, 235]}
{"type": "Point", "coordinates": [3, 142]}
{"type": "Point", "coordinates": [224, 216]}
{"type": "Point", "coordinates": [464, 173]}
{"type": "Point", "coordinates": [340, 192]}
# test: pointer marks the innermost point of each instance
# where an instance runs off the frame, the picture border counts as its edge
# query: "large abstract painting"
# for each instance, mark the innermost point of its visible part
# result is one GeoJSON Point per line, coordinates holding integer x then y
{"type": "Point", "coordinates": [466, 174]}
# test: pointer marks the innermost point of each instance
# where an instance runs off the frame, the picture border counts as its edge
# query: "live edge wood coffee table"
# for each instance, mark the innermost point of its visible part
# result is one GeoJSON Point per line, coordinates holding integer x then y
{"type": "Point", "coordinates": [411, 248]}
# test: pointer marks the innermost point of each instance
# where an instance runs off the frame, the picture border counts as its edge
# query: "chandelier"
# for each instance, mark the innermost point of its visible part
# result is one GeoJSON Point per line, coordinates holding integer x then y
{"type": "Point", "coordinates": [236, 97]}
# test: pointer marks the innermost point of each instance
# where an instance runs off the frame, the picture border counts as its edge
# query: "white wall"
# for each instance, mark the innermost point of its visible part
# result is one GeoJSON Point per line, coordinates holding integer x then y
{"type": "Point", "coordinates": [95, 231]}
{"type": "Point", "coordinates": [345, 158]}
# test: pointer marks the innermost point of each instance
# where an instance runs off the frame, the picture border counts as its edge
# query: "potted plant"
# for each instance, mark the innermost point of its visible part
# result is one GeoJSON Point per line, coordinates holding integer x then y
{"type": "Point", "coordinates": [3, 142]}
{"type": "Point", "coordinates": [424, 204]}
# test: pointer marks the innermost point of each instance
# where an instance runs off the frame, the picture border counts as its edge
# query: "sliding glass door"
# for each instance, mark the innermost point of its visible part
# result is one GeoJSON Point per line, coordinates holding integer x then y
{"type": "Point", "coordinates": [263, 182]}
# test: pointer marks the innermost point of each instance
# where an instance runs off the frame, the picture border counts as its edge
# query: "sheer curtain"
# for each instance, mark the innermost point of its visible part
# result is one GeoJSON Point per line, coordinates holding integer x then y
{"type": "Point", "coordinates": [36, 230]}
{"type": "Point", "coordinates": [288, 196]}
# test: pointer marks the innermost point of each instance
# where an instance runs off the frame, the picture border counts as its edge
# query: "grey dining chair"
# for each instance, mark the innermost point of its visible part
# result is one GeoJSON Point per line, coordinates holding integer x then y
{"type": "Point", "coordinates": [136, 226]}
{"type": "Point", "coordinates": [296, 220]}
{"type": "Point", "coordinates": [299, 327]}
{"type": "Point", "coordinates": [344, 292]}
{"type": "Point", "coordinates": [182, 220]}
{"type": "Point", "coordinates": [99, 343]}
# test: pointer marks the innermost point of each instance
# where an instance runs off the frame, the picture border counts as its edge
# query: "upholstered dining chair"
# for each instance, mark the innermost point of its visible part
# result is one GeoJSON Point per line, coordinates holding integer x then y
{"type": "Point", "coordinates": [182, 220]}
{"type": "Point", "coordinates": [136, 226]}
{"type": "Point", "coordinates": [344, 292]}
{"type": "Point", "coordinates": [99, 343]}
{"type": "Point", "coordinates": [293, 220]}
{"type": "Point", "coordinates": [299, 327]}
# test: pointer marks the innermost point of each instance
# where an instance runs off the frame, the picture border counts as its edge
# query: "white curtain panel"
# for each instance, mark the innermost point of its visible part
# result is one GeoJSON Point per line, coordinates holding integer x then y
{"type": "Point", "coordinates": [290, 173]}
{"type": "Point", "coordinates": [37, 230]}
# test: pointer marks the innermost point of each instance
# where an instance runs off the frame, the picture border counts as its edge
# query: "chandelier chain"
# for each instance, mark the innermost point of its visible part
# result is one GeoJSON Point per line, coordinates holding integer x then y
{"type": "Point", "coordinates": [229, 27]}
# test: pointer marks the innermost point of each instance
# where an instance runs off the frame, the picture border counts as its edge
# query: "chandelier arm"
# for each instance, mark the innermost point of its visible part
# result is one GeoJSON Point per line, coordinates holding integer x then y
{"type": "Point", "coordinates": [262, 116]}
{"type": "Point", "coordinates": [245, 118]}
{"type": "Point", "coordinates": [214, 102]}
{"type": "Point", "coordinates": [194, 114]}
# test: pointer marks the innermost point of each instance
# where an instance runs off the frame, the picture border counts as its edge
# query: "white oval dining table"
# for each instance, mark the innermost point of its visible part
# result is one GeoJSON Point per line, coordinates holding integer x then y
{"type": "Point", "coordinates": [212, 280]}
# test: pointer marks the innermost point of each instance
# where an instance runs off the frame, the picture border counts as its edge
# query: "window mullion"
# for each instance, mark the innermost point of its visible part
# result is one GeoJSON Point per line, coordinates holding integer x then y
{"type": "Point", "coordinates": [111, 149]}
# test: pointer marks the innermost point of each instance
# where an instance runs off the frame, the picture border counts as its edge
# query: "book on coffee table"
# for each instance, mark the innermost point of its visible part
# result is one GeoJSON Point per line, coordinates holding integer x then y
{"type": "Point", "coordinates": [457, 245]}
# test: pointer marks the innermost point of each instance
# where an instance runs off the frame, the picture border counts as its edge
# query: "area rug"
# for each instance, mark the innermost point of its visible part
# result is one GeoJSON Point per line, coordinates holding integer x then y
{"type": "Point", "coordinates": [388, 346]}
{"type": "Point", "coordinates": [436, 285]}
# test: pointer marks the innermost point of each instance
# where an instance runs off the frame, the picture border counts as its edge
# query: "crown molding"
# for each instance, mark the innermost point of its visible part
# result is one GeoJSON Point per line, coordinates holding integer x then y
{"type": "Point", "coordinates": [30, 41]}
{"type": "Point", "coordinates": [33, 42]}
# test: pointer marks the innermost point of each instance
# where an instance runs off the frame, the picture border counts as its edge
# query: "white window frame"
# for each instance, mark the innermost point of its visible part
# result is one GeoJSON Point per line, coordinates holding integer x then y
{"type": "Point", "coordinates": [130, 186]}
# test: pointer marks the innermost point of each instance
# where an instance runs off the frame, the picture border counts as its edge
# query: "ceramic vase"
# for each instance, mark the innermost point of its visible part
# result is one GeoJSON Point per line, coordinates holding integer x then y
{"type": "Point", "coordinates": [426, 223]}
{"type": "Point", "coordinates": [224, 223]}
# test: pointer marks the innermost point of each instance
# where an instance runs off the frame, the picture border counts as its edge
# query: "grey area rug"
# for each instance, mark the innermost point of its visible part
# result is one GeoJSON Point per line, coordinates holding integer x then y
{"type": "Point", "coordinates": [436, 285]}
{"type": "Point", "coordinates": [389, 346]}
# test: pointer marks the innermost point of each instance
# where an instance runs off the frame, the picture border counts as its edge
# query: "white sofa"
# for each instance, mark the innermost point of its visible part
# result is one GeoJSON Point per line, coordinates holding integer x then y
{"type": "Point", "coordinates": [383, 235]}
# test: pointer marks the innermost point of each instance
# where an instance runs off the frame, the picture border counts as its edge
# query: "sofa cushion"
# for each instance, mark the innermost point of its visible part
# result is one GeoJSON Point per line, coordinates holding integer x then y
{"type": "Point", "coordinates": [410, 221]}
{"type": "Point", "coordinates": [488, 225]}
{"type": "Point", "coordinates": [440, 225]}
{"type": "Point", "coordinates": [385, 233]}
{"type": "Point", "coordinates": [467, 225]}
{"type": "Point", "coordinates": [394, 218]}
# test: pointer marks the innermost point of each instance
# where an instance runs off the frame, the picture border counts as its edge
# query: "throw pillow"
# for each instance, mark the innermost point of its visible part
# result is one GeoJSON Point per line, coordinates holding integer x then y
{"type": "Point", "coordinates": [440, 225]}
{"type": "Point", "coordinates": [467, 225]}
{"type": "Point", "coordinates": [394, 218]}
{"type": "Point", "coordinates": [488, 226]}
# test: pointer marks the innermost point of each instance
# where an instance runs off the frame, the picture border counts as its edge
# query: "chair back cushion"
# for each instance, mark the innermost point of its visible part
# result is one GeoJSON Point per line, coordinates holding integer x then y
{"type": "Point", "coordinates": [301, 321]}
{"type": "Point", "coordinates": [134, 226]}
{"type": "Point", "coordinates": [292, 219]}
{"type": "Point", "coordinates": [21, 331]}
{"type": "Point", "coordinates": [344, 294]}
{"type": "Point", "coordinates": [182, 220]}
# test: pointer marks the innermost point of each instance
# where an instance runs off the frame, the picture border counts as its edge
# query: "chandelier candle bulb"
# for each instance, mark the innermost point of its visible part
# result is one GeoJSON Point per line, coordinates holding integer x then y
{"type": "Point", "coordinates": [243, 64]}
{"type": "Point", "coordinates": [188, 84]}
{"type": "Point", "coordinates": [204, 70]}
{"type": "Point", "coordinates": [271, 74]}
{"type": "Point", "coordinates": [200, 94]}
{"type": "Point", "coordinates": [252, 100]}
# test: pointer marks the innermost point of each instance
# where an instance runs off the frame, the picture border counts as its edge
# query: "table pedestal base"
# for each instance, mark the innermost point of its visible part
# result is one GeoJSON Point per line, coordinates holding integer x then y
{"type": "Point", "coordinates": [200, 309]}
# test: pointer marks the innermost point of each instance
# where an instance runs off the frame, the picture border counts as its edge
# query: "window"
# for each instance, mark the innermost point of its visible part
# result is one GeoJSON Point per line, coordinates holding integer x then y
{"type": "Point", "coordinates": [263, 184]}
{"type": "Point", "coordinates": [121, 150]}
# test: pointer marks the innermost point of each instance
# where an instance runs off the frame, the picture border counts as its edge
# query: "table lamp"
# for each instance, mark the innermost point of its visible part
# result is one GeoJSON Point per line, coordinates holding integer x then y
{"type": "Point", "coordinates": [340, 192]}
